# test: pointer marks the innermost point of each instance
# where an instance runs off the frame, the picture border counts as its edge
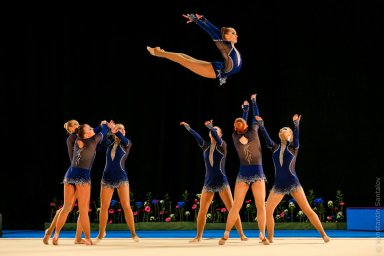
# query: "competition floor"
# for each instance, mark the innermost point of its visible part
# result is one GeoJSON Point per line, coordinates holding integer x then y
{"type": "Point", "coordinates": [172, 243]}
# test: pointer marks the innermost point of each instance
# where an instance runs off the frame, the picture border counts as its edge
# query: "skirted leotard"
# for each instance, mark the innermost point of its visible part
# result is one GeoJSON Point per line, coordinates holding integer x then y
{"type": "Point", "coordinates": [284, 160]}
{"type": "Point", "coordinates": [249, 153]}
{"type": "Point", "coordinates": [80, 170]}
{"type": "Point", "coordinates": [214, 158]}
{"type": "Point", "coordinates": [114, 173]}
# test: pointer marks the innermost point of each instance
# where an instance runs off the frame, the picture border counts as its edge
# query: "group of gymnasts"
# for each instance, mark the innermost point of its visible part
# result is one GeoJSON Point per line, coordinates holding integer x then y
{"type": "Point", "coordinates": [83, 141]}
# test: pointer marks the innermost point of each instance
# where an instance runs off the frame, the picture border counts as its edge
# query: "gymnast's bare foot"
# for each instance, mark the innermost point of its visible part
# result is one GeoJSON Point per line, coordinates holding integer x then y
{"type": "Point", "coordinates": [222, 241]}
{"type": "Point", "coordinates": [195, 240]}
{"type": "Point", "coordinates": [79, 241]}
{"type": "Point", "coordinates": [98, 239]}
{"type": "Point", "coordinates": [155, 51]}
{"type": "Point", "coordinates": [46, 237]}
{"type": "Point", "coordinates": [326, 239]}
{"type": "Point", "coordinates": [243, 237]}
{"type": "Point", "coordinates": [224, 238]}
{"type": "Point", "coordinates": [88, 242]}
{"type": "Point", "coordinates": [136, 238]}
{"type": "Point", "coordinates": [264, 240]}
{"type": "Point", "coordinates": [55, 241]}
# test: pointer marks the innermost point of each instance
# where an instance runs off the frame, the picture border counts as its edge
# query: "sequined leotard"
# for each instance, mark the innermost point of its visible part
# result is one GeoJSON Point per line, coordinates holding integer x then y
{"type": "Point", "coordinates": [80, 170]}
{"type": "Point", "coordinates": [214, 158]}
{"type": "Point", "coordinates": [286, 179]}
{"type": "Point", "coordinates": [251, 168]}
{"type": "Point", "coordinates": [114, 171]}
{"type": "Point", "coordinates": [232, 58]}
{"type": "Point", "coordinates": [72, 138]}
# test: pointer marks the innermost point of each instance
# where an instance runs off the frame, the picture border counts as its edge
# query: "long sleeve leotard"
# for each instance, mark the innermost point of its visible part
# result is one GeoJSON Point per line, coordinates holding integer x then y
{"type": "Point", "coordinates": [232, 58]}
{"type": "Point", "coordinates": [83, 158]}
{"type": "Point", "coordinates": [249, 152]}
{"type": "Point", "coordinates": [114, 173]}
{"type": "Point", "coordinates": [214, 158]}
{"type": "Point", "coordinates": [284, 162]}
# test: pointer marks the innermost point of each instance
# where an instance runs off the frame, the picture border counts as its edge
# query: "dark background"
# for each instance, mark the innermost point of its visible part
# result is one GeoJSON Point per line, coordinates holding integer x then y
{"type": "Point", "coordinates": [320, 60]}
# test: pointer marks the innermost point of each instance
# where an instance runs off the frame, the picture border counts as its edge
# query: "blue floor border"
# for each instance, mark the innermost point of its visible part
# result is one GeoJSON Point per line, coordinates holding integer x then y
{"type": "Point", "coordinates": [208, 234]}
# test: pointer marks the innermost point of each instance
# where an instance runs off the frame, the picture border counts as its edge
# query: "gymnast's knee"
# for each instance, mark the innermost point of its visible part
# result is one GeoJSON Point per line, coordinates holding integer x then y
{"type": "Point", "coordinates": [66, 208]}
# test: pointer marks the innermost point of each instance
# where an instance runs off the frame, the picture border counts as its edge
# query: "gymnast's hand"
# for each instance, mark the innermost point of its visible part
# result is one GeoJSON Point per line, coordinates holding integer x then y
{"type": "Point", "coordinates": [245, 105]}
{"type": "Point", "coordinates": [296, 117]}
{"type": "Point", "coordinates": [190, 17]}
{"type": "Point", "coordinates": [208, 123]}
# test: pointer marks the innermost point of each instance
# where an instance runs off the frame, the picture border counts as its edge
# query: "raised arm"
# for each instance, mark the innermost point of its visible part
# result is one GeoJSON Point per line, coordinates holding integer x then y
{"type": "Point", "coordinates": [123, 140]}
{"type": "Point", "coordinates": [103, 131]}
{"type": "Point", "coordinates": [245, 108]}
{"type": "Point", "coordinates": [104, 142]}
{"type": "Point", "coordinates": [206, 25]}
{"type": "Point", "coordinates": [296, 122]}
{"type": "Point", "coordinates": [268, 141]}
{"type": "Point", "coordinates": [200, 141]}
{"type": "Point", "coordinates": [209, 125]}
{"type": "Point", "coordinates": [255, 109]}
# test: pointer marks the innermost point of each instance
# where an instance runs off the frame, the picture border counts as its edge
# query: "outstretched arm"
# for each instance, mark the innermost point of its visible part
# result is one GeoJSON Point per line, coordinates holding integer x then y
{"type": "Point", "coordinates": [203, 23]}
{"type": "Point", "coordinates": [209, 125]}
{"type": "Point", "coordinates": [296, 122]}
{"type": "Point", "coordinates": [268, 141]}
{"type": "Point", "coordinates": [245, 108]}
{"type": "Point", "coordinates": [255, 109]}
{"type": "Point", "coordinates": [200, 141]}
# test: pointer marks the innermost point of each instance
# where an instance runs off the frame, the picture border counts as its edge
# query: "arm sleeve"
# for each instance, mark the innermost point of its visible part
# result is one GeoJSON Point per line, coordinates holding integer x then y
{"type": "Point", "coordinates": [97, 129]}
{"type": "Point", "coordinates": [105, 142]}
{"type": "Point", "coordinates": [207, 26]}
{"type": "Point", "coordinates": [255, 110]}
{"type": "Point", "coordinates": [268, 141]}
{"type": "Point", "coordinates": [199, 139]}
{"type": "Point", "coordinates": [100, 145]}
{"type": "Point", "coordinates": [215, 135]}
{"type": "Point", "coordinates": [70, 144]}
{"type": "Point", "coordinates": [245, 112]}
{"type": "Point", "coordinates": [123, 140]}
{"type": "Point", "coordinates": [103, 131]}
{"type": "Point", "coordinates": [296, 143]}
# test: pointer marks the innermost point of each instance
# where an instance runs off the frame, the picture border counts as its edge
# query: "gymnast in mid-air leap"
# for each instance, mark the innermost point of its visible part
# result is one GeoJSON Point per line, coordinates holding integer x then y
{"type": "Point", "coordinates": [225, 40]}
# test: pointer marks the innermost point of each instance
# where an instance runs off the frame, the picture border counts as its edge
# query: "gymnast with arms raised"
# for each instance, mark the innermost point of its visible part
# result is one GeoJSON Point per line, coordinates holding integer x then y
{"type": "Point", "coordinates": [215, 153]}
{"type": "Point", "coordinates": [71, 127]}
{"type": "Point", "coordinates": [251, 174]}
{"type": "Point", "coordinates": [77, 179]}
{"type": "Point", "coordinates": [115, 177]}
{"type": "Point", "coordinates": [284, 156]}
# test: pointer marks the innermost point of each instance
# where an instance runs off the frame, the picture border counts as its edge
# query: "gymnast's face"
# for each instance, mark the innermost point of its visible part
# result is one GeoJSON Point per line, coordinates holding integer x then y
{"type": "Point", "coordinates": [86, 131]}
{"type": "Point", "coordinates": [73, 127]}
{"type": "Point", "coordinates": [120, 128]}
{"type": "Point", "coordinates": [218, 131]}
{"type": "Point", "coordinates": [285, 134]}
{"type": "Point", "coordinates": [231, 35]}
